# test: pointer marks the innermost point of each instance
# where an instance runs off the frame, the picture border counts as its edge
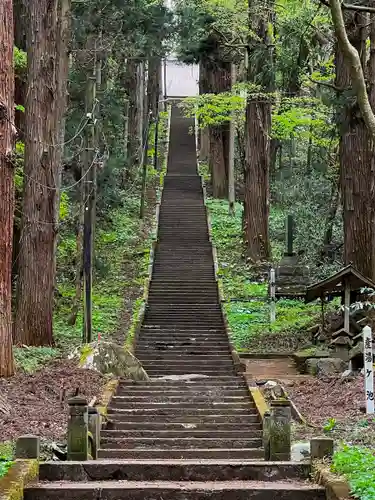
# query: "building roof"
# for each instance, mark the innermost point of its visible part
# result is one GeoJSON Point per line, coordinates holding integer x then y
{"type": "Point", "coordinates": [335, 284]}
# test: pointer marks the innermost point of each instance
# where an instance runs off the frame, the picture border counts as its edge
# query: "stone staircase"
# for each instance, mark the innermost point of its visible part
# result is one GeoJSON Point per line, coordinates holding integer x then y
{"type": "Point", "coordinates": [193, 431]}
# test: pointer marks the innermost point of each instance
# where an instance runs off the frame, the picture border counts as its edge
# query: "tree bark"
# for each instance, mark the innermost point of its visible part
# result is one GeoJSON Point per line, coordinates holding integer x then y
{"type": "Point", "coordinates": [133, 125]}
{"type": "Point", "coordinates": [6, 185]}
{"type": "Point", "coordinates": [354, 64]}
{"type": "Point", "coordinates": [153, 82]}
{"type": "Point", "coordinates": [204, 140]}
{"type": "Point", "coordinates": [256, 180]}
{"type": "Point", "coordinates": [219, 135]}
{"type": "Point", "coordinates": [357, 163]}
{"type": "Point", "coordinates": [45, 106]}
{"type": "Point", "coordinates": [20, 27]}
{"type": "Point", "coordinates": [258, 142]}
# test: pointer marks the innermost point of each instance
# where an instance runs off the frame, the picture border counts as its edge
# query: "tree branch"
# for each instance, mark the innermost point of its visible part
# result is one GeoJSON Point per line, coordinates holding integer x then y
{"type": "Point", "coordinates": [346, 6]}
{"type": "Point", "coordinates": [329, 85]}
{"type": "Point", "coordinates": [355, 67]}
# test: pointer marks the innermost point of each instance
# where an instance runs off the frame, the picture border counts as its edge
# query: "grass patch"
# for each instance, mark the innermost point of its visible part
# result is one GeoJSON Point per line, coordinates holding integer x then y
{"type": "Point", "coordinates": [246, 301]}
{"type": "Point", "coordinates": [121, 259]}
{"type": "Point", "coordinates": [357, 465]}
{"type": "Point", "coordinates": [6, 457]}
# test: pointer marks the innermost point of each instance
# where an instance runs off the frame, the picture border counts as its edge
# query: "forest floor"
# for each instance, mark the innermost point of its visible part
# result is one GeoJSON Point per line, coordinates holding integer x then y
{"type": "Point", "coordinates": [245, 295]}
{"type": "Point", "coordinates": [331, 405]}
{"type": "Point", "coordinates": [34, 400]}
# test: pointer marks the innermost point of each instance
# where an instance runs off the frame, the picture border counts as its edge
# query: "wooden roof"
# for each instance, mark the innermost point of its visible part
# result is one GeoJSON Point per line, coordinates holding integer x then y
{"type": "Point", "coordinates": [336, 283]}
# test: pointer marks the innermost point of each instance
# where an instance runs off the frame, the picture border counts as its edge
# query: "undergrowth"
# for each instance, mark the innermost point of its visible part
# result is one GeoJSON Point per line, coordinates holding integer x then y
{"type": "Point", "coordinates": [121, 258]}
{"type": "Point", "coordinates": [246, 302]}
{"type": "Point", "coordinates": [119, 245]}
{"type": "Point", "coordinates": [358, 466]}
{"type": "Point", "coordinates": [6, 457]}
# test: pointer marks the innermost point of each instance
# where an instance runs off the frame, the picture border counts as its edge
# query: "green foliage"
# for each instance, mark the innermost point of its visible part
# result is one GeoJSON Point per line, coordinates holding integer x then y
{"type": "Point", "coordinates": [30, 359]}
{"type": "Point", "coordinates": [5, 465]}
{"type": "Point", "coordinates": [64, 206]}
{"type": "Point", "coordinates": [6, 457]}
{"type": "Point", "coordinates": [358, 466]}
{"type": "Point", "coordinates": [19, 60]}
{"type": "Point", "coordinates": [246, 305]}
{"type": "Point", "coordinates": [330, 425]}
{"type": "Point", "coordinates": [213, 109]}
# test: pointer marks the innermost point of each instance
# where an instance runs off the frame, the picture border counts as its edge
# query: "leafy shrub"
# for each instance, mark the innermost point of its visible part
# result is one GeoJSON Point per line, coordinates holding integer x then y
{"type": "Point", "coordinates": [358, 466]}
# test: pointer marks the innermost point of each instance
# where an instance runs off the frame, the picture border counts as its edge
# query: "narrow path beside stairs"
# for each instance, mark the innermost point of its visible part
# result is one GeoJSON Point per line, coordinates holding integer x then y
{"type": "Point", "coordinates": [196, 434]}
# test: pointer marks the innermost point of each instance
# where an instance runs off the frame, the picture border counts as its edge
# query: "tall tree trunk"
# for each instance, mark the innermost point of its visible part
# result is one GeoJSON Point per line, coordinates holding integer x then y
{"type": "Point", "coordinates": [45, 107]}
{"type": "Point", "coordinates": [357, 162]}
{"type": "Point", "coordinates": [6, 185]}
{"type": "Point", "coordinates": [204, 140]}
{"type": "Point", "coordinates": [153, 82]}
{"type": "Point", "coordinates": [256, 180]}
{"type": "Point", "coordinates": [257, 142]}
{"type": "Point", "coordinates": [133, 137]}
{"type": "Point", "coordinates": [219, 135]}
{"type": "Point", "coordinates": [20, 27]}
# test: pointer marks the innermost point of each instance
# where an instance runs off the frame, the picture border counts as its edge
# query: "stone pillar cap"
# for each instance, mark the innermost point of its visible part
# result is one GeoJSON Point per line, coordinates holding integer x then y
{"type": "Point", "coordinates": [280, 402]}
{"type": "Point", "coordinates": [77, 401]}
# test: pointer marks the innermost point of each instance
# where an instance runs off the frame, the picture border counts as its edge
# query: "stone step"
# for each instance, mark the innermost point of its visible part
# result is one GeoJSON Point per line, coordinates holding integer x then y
{"type": "Point", "coordinates": [190, 433]}
{"type": "Point", "coordinates": [177, 412]}
{"type": "Point", "coordinates": [177, 470]}
{"type": "Point", "coordinates": [183, 323]}
{"type": "Point", "coordinates": [155, 358]}
{"type": "Point", "coordinates": [193, 331]}
{"type": "Point", "coordinates": [237, 418]}
{"type": "Point", "coordinates": [189, 394]}
{"type": "Point", "coordinates": [189, 363]}
{"type": "Point", "coordinates": [164, 372]}
{"type": "Point", "coordinates": [183, 350]}
{"type": "Point", "coordinates": [195, 398]}
{"type": "Point", "coordinates": [176, 426]}
{"type": "Point", "coordinates": [154, 351]}
{"type": "Point", "coordinates": [178, 443]}
{"type": "Point", "coordinates": [163, 490]}
{"type": "Point", "coordinates": [187, 454]}
{"type": "Point", "coordinates": [184, 308]}
{"type": "Point", "coordinates": [196, 383]}
{"type": "Point", "coordinates": [120, 403]}
{"type": "Point", "coordinates": [177, 337]}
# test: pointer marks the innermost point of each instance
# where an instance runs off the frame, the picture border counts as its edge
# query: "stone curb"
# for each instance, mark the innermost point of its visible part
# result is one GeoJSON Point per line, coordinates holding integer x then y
{"type": "Point", "coordinates": [240, 368]}
{"type": "Point", "coordinates": [337, 488]}
{"type": "Point", "coordinates": [21, 473]}
{"type": "Point", "coordinates": [109, 390]}
{"type": "Point", "coordinates": [133, 332]}
{"type": "Point", "coordinates": [260, 403]}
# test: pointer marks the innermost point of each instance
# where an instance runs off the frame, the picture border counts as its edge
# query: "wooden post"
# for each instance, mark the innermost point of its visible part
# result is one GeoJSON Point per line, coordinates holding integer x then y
{"type": "Point", "coordinates": [89, 201]}
{"type": "Point", "coordinates": [165, 83]}
{"type": "Point", "coordinates": [144, 168]}
{"type": "Point", "coordinates": [156, 145]}
{"type": "Point", "coordinates": [232, 133]}
{"type": "Point", "coordinates": [289, 235]}
{"type": "Point", "coordinates": [369, 370]}
{"type": "Point", "coordinates": [272, 295]}
{"type": "Point", "coordinates": [346, 306]}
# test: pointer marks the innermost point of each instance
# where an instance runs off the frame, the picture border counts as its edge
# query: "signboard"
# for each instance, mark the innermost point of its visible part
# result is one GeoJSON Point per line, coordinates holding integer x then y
{"type": "Point", "coordinates": [369, 370]}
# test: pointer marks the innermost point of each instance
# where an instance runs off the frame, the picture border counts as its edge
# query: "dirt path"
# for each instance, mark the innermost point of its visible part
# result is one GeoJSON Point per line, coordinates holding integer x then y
{"type": "Point", "coordinates": [280, 369]}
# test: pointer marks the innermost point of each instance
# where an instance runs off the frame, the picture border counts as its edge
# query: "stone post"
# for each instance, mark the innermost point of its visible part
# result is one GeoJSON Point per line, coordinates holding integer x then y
{"type": "Point", "coordinates": [321, 447]}
{"type": "Point", "coordinates": [279, 429]}
{"type": "Point", "coordinates": [266, 434]}
{"type": "Point", "coordinates": [94, 430]}
{"type": "Point", "coordinates": [28, 447]}
{"type": "Point", "coordinates": [78, 429]}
